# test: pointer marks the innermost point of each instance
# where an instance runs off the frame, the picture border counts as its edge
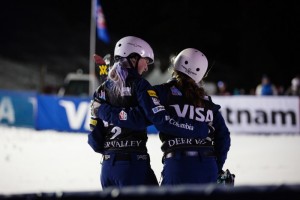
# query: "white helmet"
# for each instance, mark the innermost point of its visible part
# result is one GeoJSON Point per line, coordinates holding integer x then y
{"type": "Point", "coordinates": [130, 44]}
{"type": "Point", "coordinates": [191, 62]}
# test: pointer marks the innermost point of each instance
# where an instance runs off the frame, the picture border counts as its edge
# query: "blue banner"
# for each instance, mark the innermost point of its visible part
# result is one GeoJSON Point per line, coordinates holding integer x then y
{"type": "Point", "coordinates": [32, 110]}
{"type": "Point", "coordinates": [17, 108]}
{"type": "Point", "coordinates": [70, 114]}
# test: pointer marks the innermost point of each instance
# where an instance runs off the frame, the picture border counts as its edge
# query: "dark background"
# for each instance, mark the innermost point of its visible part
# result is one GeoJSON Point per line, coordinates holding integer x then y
{"type": "Point", "coordinates": [242, 39]}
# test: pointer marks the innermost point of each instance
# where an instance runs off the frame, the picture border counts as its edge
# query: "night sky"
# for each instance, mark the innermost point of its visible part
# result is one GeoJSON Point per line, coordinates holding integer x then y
{"type": "Point", "coordinates": [242, 39]}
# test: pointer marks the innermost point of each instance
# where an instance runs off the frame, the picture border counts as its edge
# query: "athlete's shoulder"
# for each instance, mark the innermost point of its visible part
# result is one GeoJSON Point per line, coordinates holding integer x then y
{"type": "Point", "coordinates": [171, 82]}
{"type": "Point", "coordinates": [142, 82]}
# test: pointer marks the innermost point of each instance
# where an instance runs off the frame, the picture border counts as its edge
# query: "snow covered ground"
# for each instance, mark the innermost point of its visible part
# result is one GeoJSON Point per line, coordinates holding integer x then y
{"type": "Point", "coordinates": [49, 161]}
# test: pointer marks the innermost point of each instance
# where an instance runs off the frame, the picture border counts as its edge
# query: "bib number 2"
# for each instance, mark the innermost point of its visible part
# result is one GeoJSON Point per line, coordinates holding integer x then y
{"type": "Point", "coordinates": [115, 131]}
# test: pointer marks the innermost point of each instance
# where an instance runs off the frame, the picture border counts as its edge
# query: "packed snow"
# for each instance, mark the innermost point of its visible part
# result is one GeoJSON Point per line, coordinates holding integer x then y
{"type": "Point", "coordinates": [50, 161]}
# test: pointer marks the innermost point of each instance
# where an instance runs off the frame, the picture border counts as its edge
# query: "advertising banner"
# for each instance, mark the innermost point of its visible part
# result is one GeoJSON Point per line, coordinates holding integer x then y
{"type": "Point", "coordinates": [69, 114]}
{"type": "Point", "coordinates": [243, 114]}
{"type": "Point", "coordinates": [17, 108]}
{"type": "Point", "coordinates": [260, 114]}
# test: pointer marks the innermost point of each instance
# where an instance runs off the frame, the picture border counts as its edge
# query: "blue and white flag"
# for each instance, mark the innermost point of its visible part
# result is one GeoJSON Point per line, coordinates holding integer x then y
{"type": "Point", "coordinates": [101, 24]}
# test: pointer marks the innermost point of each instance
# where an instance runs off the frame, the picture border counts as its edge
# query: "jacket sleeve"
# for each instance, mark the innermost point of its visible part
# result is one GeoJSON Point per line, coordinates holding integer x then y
{"type": "Point", "coordinates": [222, 139]}
{"type": "Point", "coordinates": [151, 111]}
{"type": "Point", "coordinates": [124, 117]}
{"type": "Point", "coordinates": [156, 113]}
{"type": "Point", "coordinates": [96, 137]}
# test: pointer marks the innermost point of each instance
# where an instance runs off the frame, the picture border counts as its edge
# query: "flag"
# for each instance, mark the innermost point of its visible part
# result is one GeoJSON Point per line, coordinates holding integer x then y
{"type": "Point", "coordinates": [102, 32]}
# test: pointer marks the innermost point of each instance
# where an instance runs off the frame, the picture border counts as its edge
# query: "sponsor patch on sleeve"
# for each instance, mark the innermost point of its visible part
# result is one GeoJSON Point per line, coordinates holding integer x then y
{"type": "Point", "coordinates": [158, 109]}
{"type": "Point", "coordinates": [156, 101]}
{"type": "Point", "coordinates": [152, 93]}
{"type": "Point", "coordinates": [93, 122]}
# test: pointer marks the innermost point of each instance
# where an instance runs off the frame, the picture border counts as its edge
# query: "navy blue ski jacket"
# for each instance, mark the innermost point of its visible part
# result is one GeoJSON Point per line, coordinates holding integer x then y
{"type": "Point", "coordinates": [166, 108]}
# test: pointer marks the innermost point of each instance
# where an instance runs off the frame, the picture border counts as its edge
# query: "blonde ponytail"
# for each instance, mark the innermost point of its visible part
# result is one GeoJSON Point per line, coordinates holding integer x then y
{"type": "Point", "coordinates": [118, 74]}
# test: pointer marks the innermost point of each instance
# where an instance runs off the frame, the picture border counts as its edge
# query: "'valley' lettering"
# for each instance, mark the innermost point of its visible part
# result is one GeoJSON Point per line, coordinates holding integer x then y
{"type": "Point", "coordinates": [122, 143]}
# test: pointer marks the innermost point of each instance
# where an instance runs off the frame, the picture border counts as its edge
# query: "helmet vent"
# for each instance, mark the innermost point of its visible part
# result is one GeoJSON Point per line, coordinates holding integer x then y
{"type": "Point", "coordinates": [186, 62]}
{"type": "Point", "coordinates": [198, 69]}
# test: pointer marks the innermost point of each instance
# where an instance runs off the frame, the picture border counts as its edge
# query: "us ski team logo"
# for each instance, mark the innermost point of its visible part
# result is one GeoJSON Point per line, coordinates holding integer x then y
{"type": "Point", "coordinates": [175, 91]}
{"type": "Point", "coordinates": [123, 115]}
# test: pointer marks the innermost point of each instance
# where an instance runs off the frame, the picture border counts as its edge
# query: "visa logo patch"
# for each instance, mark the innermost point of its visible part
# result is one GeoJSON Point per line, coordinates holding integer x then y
{"type": "Point", "coordinates": [158, 109]}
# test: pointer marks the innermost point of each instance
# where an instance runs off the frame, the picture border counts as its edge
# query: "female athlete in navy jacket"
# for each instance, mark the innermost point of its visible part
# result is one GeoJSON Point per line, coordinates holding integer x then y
{"type": "Point", "coordinates": [125, 157]}
{"type": "Point", "coordinates": [187, 158]}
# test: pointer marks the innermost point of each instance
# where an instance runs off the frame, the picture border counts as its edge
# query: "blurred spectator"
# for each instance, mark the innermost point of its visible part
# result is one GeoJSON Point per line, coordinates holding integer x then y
{"type": "Point", "coordinates": [222, 89]}
{"type": "Point", "coordinates": [294, 89]}
{"type": "Point", "coordinates": [210, 88]}
{"type": "Point", "coordinates": [266, 87]}
{"type": "Point", "coordinates": [237, 91]}
{"type": "Point", "coordinates": [252, 91]}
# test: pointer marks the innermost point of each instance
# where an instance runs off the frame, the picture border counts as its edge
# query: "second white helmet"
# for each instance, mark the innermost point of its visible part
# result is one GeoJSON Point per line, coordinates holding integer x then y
{"type": "Point", "coordinates": [191, 62]}
{"type": "Point", "coordinates": [130, 44]}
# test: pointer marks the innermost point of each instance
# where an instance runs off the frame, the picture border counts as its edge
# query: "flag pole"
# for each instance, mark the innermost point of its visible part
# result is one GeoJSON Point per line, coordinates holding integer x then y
{"type": "Point", "coordinates": [92, 47]}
